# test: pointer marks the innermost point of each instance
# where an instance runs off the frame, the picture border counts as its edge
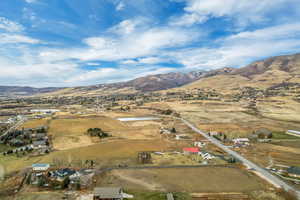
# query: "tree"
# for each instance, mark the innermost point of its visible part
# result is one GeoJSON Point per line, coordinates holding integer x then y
{"type": "Point", "coordinates": [173, 130]}
{"type": "Point", "coordinates": [97, 132]}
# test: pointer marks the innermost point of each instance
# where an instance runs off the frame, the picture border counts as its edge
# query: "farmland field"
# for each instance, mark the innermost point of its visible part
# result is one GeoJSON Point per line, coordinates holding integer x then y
{"type": "Point", "coordinates": [68, 133]}
{"type": "Point", "coordinates": [104, 154]}
{"type": "Point", "coordinates": [206, 179]}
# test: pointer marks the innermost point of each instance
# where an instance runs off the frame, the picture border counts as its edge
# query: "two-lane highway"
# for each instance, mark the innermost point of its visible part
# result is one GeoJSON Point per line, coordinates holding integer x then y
{"type": "Point", "coordinates": [263, 173]}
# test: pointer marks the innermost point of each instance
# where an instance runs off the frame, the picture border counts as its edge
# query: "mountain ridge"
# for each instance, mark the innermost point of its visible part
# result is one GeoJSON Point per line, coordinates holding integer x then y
{"type": "Point", "coordinates": [262, 74]}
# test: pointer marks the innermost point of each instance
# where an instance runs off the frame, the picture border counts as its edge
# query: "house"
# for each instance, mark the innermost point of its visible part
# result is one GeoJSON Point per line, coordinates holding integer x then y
{"type": "Point", "coordinates": [199, 144]}
{"type": "Point", "coordinates": [39, 144]}
{"type": "Point", "coordinates": [294, 172]}
{"type": "Point", "coordinates": [214, 133]}
{"type": "Point", "coordinates": [241, 141]}
{"type": "Point", "coordinates": [206, 155]}
{"type": "Point", "coordinates": [82, 177]}
{"type": "Point", "coordinates": [45, 111]}
{"type": "Point", "coordinates": [190, 150]}
{"type": "Point", "coordinates": [181, 136]}
{"type": "Point", "coordinates": [40, 136]}
{"type": "Point", "coordinates": [108, 193]}
{"type": "Point", "coordinates": [66, 172]}
{"type": "Point", "coordinates": [40, 167]}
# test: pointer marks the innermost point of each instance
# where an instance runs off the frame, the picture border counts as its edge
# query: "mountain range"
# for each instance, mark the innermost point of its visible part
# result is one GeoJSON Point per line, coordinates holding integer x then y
{"type": "Point", "coordinates": [261, 74]}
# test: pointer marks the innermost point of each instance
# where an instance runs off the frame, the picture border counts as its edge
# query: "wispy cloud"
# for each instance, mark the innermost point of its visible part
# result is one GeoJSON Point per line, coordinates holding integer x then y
{"type": "Point", "coordinates": [61, 43]}
{"type": "Point", "coordinates": [14, 39]}
{"type": "Point", "coordinates": [120, 6]}
{"type": "Point", "coordinates": [243, 12]}
{"type": "Point", "coordinates": [31, 1]}
{"type": "Point", "coordinates": [242, 48]}
{"type": "Point", "coordinates": [10, 26]}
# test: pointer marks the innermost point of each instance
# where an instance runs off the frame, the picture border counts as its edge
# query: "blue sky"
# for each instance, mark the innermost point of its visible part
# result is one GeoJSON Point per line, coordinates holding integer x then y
{"type": "Point", "coordinates": [84, 42]}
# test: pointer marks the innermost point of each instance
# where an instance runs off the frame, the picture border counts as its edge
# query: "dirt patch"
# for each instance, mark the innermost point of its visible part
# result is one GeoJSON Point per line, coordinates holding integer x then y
{"type": "Point", "coordinates": [138, 180]}
{"type": "Point", "coordinates": [70, 142]}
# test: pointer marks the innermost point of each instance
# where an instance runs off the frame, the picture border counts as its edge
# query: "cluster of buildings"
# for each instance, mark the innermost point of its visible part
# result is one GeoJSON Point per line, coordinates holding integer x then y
{"type": "Point", "coordinates": [289, 172]}
{"type": "Point", "coordinates": [43, 175]}
{"type": "Point", "coordinates": [27, 140]}
{"type": "Point", "coordinates": [196, 151]}
{"type": "Point", "coordinates": [12, 120]}
{"type": "Point", "coordinates": [44, 111]}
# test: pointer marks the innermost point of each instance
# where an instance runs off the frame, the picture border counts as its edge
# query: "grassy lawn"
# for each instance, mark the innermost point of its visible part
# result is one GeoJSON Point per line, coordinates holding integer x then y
{"type": "Point", "coordinates": [4, 147]}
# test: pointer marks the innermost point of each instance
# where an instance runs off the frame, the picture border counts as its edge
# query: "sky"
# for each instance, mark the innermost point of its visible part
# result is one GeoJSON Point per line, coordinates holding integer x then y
{"type": "Point", "coordinates": [45, 43]}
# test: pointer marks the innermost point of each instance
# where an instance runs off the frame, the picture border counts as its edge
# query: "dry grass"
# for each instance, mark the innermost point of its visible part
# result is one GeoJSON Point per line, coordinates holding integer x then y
{"type": "Point", "coordinates": [206, 179]}
{"type": "Point", "coordinates": [36, 122]}
{"type": "Point", "coordinates": [110, 153]}
{"type": "Point", "coordinates": [71, 133]}
{"type": "Point", "coordinates": [232, 118]}
{"type": "Point", "coordinates": [262, 153]}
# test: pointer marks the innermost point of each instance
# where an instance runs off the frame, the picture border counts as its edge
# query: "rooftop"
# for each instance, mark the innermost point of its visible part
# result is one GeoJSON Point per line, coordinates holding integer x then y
{"type": "Point", "coordinates": [191, 149]}
{"type": "Point", "coordinates": [40, 165]}
{"type": "Point", "coordinates": [108, 192]}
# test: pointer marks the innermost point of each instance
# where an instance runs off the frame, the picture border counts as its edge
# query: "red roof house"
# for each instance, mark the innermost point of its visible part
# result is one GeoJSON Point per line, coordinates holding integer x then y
{"type": "Point", "coordinates": [191, 150]}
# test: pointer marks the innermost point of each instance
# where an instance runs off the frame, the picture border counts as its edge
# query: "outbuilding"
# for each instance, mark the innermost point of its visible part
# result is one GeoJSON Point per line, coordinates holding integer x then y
{"type": "Point", "coordinates": [108, 193]}
{"type": "Point", "coordinates": [190, 150]}
{"type": "Point", "coordinates": [40, 167]}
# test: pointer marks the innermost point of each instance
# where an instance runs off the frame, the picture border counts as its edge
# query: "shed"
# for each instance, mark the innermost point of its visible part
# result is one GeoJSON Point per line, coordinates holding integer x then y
{"type": "Point", "coordinates": [108, 193]}
{"type": "Point", "coordinates": [40, 167]}
{"type": "Point", "coordinates": [191, 150]}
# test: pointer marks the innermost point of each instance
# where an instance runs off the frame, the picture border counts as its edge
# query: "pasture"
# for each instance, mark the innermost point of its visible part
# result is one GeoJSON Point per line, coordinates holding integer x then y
{"type": "Point", "coordinates": [205, 179]}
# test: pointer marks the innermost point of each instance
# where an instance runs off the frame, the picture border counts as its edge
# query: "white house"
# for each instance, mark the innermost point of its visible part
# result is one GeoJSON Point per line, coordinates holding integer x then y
{"type": "Point", "coordinates": [241, 141]}
{"type": "Point", "coordinates": [206, 156]}
{"type": "Point", "coordinates": [40, 167]}
{"type": "Point", "coordinates": [45, 111]}
{"type": "Point", "coordinates": [199, 144]}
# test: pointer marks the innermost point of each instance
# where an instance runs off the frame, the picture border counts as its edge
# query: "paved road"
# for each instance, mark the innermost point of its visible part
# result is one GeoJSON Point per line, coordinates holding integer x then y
{"type": "Point", "coordinates": [260, 171]}
{"type": "Point", "coordinates": [19, 123]}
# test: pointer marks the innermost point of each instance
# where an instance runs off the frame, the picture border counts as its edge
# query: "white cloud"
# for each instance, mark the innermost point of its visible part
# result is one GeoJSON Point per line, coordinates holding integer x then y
{"type": "Point", "coordinates": [93, 64]}
{"type": "Point", "coordinates": [109, 75]}
{"type": "Point", "coordinates": [120, 6]}
{"type": "Point", "coordinates": [242, 11]}
{"type": "Point", "coordinates": [93, 75]}
{"type": "Point", "coordinates": [188, 19]}
{"type": "Point", "coordinates": [242, 48]}
{"type": "Point", "coordinates": [14, 38]}
{"type": "Point", "coordinates": [31, 1]}
{"type": "Point", "coordinates": [125, 47]}
{"type": "Point", "coordinates": [127, 26]}
{"type": "Point", "coordinates": [10, 26]}
{"type": "Point", "coordinates": [129, 62]}
{"type": "Point", "coordinates": [151, 60]}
